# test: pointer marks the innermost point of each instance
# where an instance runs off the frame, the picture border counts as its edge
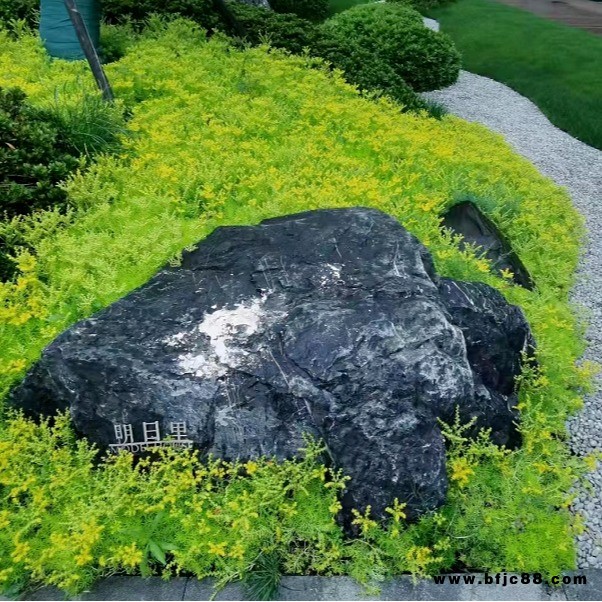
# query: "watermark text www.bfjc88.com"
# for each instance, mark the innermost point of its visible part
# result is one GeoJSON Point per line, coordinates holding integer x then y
{"type": "Point", "coordinates": [504, 579]}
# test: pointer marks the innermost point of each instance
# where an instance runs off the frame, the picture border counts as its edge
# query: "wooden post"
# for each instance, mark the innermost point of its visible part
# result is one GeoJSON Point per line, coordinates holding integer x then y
{"type": "Point", "coordinates": [88, 47]}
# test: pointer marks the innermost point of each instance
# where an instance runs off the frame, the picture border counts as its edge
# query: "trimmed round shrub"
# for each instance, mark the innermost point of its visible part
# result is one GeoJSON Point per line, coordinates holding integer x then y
{"type": "Point", "coordinates": [389, 38]}
{"type": "Point", "coordinates": [281, 30]}
{"type": "Point", "coordinates": [312, 10]}
{"type": "Point", "coordinates": [368, 75]}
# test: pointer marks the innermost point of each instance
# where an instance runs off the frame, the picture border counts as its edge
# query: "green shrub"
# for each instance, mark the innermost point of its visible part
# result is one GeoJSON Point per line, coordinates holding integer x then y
{"type": "Point", "coordinates": [116, 39]}
{"type": "Point", "coordinates": [418, 57]}
{"type": "Point", "coordinates": [389, 39]}
{"type": "Point", "coordinates": [362, 71]}
{"type": "Point", "coordinates": [281, 30]}
{"type": "Point", "coordinates": [254, 23]}
{"type": "Point", "coordinates": [40, 148]}
{"type": "Point", "coordinates": [25, 10]}
{"type": "Point", "coordinates": [422, 5]}
{"type": "Point", "coordinates": [312, 10]}
{"type": "Point", "coordinates": [200, 11]}
{"type": "Point", "coordinates": [35, 155]}
{"type": "Point", "coordinates": [295, 34]}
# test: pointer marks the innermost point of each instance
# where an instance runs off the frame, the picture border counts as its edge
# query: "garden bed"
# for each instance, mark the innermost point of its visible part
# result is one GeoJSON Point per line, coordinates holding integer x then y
{"type": "Point", "coordinates": [223, 136]}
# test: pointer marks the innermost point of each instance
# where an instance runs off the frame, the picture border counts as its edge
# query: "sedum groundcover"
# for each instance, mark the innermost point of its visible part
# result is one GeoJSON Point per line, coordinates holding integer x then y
{"type": "Point", "coordinates": [220, 136]}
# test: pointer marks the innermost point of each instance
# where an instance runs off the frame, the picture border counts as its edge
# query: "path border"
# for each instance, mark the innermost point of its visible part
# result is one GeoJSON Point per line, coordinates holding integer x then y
{"type": "Point", "coordinates": [329, 588]}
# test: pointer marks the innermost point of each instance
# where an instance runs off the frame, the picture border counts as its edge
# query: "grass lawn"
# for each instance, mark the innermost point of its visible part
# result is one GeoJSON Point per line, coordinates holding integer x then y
{"type": "Point", "coordinates": [554, 65]}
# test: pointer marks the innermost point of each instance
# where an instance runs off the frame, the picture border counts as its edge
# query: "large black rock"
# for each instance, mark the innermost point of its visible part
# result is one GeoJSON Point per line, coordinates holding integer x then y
{"type": "Point", "coordinates": [330, 322]}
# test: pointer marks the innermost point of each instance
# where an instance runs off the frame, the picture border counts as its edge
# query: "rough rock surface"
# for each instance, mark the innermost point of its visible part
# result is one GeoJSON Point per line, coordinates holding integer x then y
{"type": "Point", "coordinates": [330, 322]}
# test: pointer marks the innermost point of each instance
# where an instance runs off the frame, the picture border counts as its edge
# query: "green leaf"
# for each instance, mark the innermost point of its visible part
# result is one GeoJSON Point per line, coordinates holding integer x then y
{"type": "Point", "coordinates": [157, 552]}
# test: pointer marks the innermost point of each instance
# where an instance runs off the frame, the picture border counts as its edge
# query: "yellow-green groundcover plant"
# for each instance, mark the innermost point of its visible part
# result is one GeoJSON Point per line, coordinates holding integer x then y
{"type": "Point", "coordinates": [222, 136]}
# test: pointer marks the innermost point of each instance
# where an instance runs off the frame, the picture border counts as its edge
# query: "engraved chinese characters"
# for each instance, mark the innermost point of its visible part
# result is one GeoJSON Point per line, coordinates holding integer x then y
{"type": "Point", "coordinates": [151, 435]}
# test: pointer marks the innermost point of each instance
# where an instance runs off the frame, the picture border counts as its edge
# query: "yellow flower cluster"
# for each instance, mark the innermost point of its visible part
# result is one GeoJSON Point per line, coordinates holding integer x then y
{"type": "Point", "coordinates": [129, 556]}
{"type": "Point", "coordinates": [460, 471]}
{"type": "Point", "coordinates": [419, 558]}
{"type": "Point", "coordinates": [363, 521]}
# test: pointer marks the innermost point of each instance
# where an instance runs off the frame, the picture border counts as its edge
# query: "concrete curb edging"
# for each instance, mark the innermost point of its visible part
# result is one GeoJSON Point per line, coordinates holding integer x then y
{"type": "Point", "coordinates": [330, 588]}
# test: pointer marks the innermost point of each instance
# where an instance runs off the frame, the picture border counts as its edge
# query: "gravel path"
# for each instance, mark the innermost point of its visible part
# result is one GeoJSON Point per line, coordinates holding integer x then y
{"type": "Point", "coordinates": [577, 167]}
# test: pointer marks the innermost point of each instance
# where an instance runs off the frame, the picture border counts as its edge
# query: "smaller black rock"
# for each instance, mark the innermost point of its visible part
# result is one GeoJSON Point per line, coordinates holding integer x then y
{"type": "Point", "coordinates": [466, 218]}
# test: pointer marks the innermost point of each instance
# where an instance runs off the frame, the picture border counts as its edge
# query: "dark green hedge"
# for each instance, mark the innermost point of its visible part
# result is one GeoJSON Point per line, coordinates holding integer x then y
{"type": "Point", "coordinates": [26, 10]}
{"type": "Point", "coordinates": [203, 12]}
{"type": "Point", "coordinates": [312, 10]}
{"type": "Point", "coordinates": [390, 42]}
{"type": "Point", "coordinates": [286, 31]}
{"type": "Point", "coordinates": [422, 5]}
{"type": "Point", "coordinates": [35, 156]}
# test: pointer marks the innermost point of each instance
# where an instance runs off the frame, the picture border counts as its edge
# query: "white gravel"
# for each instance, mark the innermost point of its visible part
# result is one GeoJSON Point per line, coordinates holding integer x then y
{"type": "Point", "coordinates": [578, 167]}
{"type": "Point", "coordinates": [431, 23]}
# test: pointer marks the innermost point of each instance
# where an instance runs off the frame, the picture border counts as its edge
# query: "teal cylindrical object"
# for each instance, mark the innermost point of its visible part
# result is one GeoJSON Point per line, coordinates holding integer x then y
{"type": "Point", "coordinates": [58, 33]}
